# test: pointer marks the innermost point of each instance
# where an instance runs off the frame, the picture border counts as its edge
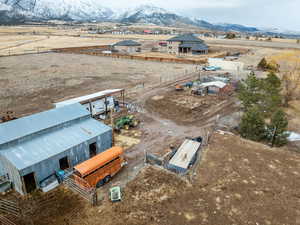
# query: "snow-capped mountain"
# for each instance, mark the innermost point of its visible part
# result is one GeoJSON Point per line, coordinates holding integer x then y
{"type": "Point", "coordinates": [81, 10]}
{"type": "Point", "coordinates": [18, 11]}
{"type": "Point", "coordinates": [155, 15]}
{"type": "Point", "coordinates": [150, 14]}
{"type": "Point", "coordinates": [224, 26]}
{"type": "Point", "coordinates": [145, 10]}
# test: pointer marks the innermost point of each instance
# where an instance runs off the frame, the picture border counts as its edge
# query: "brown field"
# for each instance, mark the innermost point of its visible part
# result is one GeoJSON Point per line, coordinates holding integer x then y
{"type": "Point", "coordinates": [40, 80]}
{"type": "Point", "coordinates": [16, 40]}
{"type": "Point", "coordinates": [236, 182]}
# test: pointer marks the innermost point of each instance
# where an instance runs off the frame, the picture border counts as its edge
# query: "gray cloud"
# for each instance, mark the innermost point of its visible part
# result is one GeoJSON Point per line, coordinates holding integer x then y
{"type": "Point", "coordinates": [265, 13]}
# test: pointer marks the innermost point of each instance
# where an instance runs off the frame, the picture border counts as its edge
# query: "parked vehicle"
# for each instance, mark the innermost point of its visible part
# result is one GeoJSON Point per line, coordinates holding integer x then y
{"type": "Point", "coordinates": [179, 87]}
{"type": "Point", "coordinates": [211, 68]}
{"type": "Point", "coordinates": [126, 122]}
{"type": "Point", "coordinates": [98, 170]}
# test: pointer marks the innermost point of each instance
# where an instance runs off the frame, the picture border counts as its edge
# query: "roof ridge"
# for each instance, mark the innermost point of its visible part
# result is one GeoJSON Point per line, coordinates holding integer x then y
{"type": "Point", "coordinates": [35, 123]}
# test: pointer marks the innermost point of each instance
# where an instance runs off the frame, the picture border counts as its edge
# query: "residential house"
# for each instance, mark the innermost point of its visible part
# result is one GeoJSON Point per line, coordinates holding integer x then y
{"type": "Point", "coordinates": [187, 44]}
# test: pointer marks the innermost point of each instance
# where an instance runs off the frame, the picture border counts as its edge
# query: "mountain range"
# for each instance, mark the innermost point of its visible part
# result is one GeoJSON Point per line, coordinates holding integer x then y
{"type": "Point", "coordinates": [19, 11]}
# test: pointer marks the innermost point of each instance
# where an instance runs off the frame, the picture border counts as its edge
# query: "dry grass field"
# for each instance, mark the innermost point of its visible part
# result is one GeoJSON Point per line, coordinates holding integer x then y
{"type": "Point", "coordinates": [31, 39]}
{"type": "Point", "coordinates": [40, 79]}
{"type": "Point", "coordinates": [237, 181]}
{"type": "Point", "coordinates": [34, 44]}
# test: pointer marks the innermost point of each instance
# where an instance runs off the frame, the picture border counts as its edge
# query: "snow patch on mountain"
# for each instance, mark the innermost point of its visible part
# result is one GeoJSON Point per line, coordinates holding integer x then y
{"type": "Point", "coordinates": [4, 7]}
{"type": "Point", "coordinates": [62, 9]}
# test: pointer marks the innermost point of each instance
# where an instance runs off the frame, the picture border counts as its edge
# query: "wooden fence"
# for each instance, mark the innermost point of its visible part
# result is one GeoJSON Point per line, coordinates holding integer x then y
{"type": "Point", "coordinates": [89, 51]}
{"type": "Point", "coordinates": [89, 195]}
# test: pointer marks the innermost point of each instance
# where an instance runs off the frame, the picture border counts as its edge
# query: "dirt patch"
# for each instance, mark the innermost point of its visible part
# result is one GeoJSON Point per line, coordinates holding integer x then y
{"type": "Point", "coordinates": [237, 182]}
{"type": "Point", "coordinates": [184, 108]}
{"type": "Point", "coordinates": [127, 138]}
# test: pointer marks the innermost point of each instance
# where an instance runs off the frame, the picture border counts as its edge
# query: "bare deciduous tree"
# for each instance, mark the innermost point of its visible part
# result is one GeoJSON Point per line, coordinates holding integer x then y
{"type": "Point", "coordinates": [291, 83]}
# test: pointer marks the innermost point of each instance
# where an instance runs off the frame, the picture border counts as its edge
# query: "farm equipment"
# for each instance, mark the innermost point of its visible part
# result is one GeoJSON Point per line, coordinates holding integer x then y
{"type": "Point", "coordinates": [126, 122]}
{"type": "Point", "coordinates": [199, 91]}
{"type": "Point", "coordinates": [179, 87]}
{"type": "Point", "coordinates": [189, 84]}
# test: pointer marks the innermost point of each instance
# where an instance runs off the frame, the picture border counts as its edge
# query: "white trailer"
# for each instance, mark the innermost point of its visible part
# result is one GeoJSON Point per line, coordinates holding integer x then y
{"type": "Point", "coordinates": [97, 103]}
{"type": "Point", "coordinates": [226, 65]}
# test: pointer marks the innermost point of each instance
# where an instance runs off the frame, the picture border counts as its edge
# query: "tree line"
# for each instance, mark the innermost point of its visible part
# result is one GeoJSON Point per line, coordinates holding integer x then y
{"type": "Point", "coordinates": [264, 119]}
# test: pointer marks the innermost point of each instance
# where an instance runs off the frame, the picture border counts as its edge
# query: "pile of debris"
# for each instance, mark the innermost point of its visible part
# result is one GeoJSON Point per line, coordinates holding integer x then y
{"type": "Point", "coordinates": [8, 116]}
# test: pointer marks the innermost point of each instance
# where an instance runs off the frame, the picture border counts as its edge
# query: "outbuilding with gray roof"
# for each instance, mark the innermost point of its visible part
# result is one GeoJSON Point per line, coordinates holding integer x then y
{"type": "Point", "coordinates": [36, 147]}
{"type": "Point", "coordinates": [127, 46]}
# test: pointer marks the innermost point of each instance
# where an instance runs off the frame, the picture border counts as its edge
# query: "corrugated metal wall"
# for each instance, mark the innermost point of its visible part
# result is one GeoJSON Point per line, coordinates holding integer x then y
{"type": "Point", "coordinates": [46, 168]}
{"type": "Point", "coordinates": [2, 171]}
{"type": "Point", "coordinates": [13, 174]}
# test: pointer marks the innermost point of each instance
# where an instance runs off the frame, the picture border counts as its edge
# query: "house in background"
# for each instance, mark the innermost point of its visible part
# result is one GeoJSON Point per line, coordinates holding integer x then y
{"type": "Point", "coordinates": [127, 46]}
{"type": "Point", "coordinates": [34, 148]}
{"type": "Point", "coordinates": [187, 44]}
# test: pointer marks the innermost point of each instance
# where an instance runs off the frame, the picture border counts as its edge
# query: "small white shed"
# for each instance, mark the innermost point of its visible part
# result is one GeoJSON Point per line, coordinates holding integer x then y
{"type": "Point", "coordinates": [97, 103]}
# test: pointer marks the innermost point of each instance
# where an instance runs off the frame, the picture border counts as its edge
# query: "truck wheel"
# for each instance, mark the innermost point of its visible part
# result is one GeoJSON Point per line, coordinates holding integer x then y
{"type": "Point", "coordinates": [107, 179]}
{"type": "Point", "coordinates": [100, 183]}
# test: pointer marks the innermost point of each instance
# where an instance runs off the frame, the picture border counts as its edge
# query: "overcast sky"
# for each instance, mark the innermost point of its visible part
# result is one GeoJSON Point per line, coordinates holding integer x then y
{"type": "Point", "coordinates": [283, 14]}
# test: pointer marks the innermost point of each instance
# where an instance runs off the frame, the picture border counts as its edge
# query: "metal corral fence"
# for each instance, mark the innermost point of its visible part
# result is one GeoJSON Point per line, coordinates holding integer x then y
{"type": "Point", "coordinates": [164, 160]}
{"type": "Point", "coordinates": [10, 208]}
{"type": "Point", "coordinates": [89, 195]}
{"type": "Point", "coordinates": [5, 221]}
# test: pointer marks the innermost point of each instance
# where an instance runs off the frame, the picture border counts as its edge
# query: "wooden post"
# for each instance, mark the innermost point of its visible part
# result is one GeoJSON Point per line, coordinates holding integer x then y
{"type": "Point", "coordinates": [112, 126]}
{"type": "Point", "coordinates": [123, 97]}
{"type": "Point", "coordinates": [105, 106]}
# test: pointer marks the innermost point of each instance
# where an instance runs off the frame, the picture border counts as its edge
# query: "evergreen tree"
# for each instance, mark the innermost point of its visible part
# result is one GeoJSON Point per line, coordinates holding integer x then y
{"type": "Point", "coordinates": [271, 98]}
{"type": "Point", "coordinates": [249, 91]}
{"type": "Point", "coordinates": [253, 125]}
{"type": "Point", "coordinates": [277, 130]}
{"type": "Point", "coordinates": [230, 36]}
{"type": "Point", "coordinates": [263, 64]}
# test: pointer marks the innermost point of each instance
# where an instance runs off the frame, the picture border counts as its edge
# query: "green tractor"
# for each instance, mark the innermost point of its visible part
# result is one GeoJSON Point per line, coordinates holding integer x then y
{"type": "Point", "coordinates": [126, 122]}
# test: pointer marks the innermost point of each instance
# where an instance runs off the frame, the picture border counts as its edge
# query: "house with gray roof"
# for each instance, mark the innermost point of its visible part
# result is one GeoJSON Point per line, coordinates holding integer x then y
{"type": "Point", "coordinates": [127, 46]}
{"type": "Point", "coordinates": [37, 147]}
{"type": "Point", "coordinates": [187, 44]}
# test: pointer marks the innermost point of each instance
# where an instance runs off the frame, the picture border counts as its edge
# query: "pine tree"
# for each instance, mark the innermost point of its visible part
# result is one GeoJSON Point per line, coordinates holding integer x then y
{"type": "Point", "coordinates": [263, 64]}
{"type": "Point", "coordinates": [271, 98]}
{"type": "Point", "coordinates": [249, 91]}
{"type": "Point", "coordinates": [253, 125]}
{"type": "Point", "coordinates": [278, 128]}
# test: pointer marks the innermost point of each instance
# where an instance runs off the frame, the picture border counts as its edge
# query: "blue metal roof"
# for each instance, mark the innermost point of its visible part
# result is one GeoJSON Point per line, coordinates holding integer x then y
{"type": "Point", "coordinates": [127, 43]}
{"type": "Point", "coordinates": [186, 38]}
{"type": "Point", "coordinates": [28, 125]}
{"type": "Point", "coordinates": [44, 146]}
